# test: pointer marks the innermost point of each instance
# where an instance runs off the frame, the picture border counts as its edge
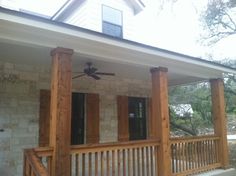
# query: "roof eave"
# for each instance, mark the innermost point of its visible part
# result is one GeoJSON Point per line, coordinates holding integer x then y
{"type": "Point", "coordinates": [71, 32]}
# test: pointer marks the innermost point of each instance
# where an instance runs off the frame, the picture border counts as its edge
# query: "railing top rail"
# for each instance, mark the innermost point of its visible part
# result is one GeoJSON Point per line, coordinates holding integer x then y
{"type": "Point", "coordinates": [194, 139]}
{"type": "Point", "coordinates": [35, 163]}
{"type": "Point", "coordinates": [44, 151]}
{"type": "Point", "coordinates": [112, 146]}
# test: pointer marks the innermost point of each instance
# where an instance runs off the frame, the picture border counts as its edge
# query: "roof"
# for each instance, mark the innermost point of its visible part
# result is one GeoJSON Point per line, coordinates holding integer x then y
{"type": "Point", "coordinates": [18, 28]}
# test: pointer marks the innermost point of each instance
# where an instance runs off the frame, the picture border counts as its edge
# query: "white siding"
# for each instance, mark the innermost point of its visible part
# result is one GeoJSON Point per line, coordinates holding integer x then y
{"type": "Point", "coordinates": [89, 16]}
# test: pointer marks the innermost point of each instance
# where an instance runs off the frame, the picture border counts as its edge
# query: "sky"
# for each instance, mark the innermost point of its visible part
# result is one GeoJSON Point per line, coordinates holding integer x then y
{"type": "Point", "coordinates": [171, 26]}
{"type": "Point", "coordinates": [177, 27]}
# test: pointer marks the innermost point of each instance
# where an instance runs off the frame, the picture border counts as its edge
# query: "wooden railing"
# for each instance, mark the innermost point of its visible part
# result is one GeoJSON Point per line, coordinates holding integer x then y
{"type": "Point", "coordinates": [194, 154]}
{"type": "Point", "coordinates": [34, 164]}
{"type": "Point", "coordinates": [125, 158]}
{"type": "Point", "coordinates": [189, 155]}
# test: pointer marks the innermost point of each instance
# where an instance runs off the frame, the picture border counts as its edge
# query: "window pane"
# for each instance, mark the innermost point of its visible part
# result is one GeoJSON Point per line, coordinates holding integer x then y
{"type": "Point", "coordinates": [112, 29]}
{"type": "Point", "coordinates": [111, 15]}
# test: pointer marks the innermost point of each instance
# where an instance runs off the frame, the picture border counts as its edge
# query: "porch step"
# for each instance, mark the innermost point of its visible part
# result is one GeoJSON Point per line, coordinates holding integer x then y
{"type": "Point", "coordinates": [220, 172]}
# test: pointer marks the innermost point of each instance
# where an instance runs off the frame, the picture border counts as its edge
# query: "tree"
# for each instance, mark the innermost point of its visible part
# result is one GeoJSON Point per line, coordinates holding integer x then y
{"type": "Point", "coordinates": [219, 20]}
{"type": "Point", "coordinates": [199, 98]}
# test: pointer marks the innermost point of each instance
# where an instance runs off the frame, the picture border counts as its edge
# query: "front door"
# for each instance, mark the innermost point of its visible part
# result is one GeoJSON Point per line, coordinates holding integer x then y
{"type": "Point", "coordinates": [137, 118]}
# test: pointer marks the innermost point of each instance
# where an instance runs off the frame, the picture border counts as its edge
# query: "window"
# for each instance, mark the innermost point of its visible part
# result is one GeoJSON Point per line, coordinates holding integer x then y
{"type": "Point", "coordinates": [112, 22]}
{"type": "Point", "coordinates": [77, 118]}
{"type": "Point", "coordinates": [137, 118]}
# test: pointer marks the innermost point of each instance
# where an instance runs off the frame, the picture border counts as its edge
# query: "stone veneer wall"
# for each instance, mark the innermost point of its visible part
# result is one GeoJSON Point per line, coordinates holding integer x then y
{"type": "Point", "coordinates": [19, 108]}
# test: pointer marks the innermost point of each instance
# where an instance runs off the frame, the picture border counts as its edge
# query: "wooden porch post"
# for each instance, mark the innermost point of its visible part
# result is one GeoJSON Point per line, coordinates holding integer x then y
{"type": "Point", "coordinates": [160, 119]}
{"type": "Point", "coordinates": [219, 118]}
{"type": "Point", "coordinates": [60, 111]}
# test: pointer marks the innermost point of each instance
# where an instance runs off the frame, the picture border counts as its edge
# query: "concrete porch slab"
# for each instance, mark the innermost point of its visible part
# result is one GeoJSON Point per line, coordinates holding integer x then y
{"type": "Point", "coordinates": [219, 172]}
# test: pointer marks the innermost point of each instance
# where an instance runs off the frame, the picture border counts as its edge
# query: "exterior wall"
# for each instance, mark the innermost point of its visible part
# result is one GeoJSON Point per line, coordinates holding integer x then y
{"type": "Point", "coordinates": [19, 108]}
{"type": "Point", "coordinates": [89, 16]}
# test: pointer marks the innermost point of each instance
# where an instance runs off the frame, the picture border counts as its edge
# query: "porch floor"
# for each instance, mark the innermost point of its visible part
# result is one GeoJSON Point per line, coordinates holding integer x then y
{"type": "Point", "coordinates": [220, 172]}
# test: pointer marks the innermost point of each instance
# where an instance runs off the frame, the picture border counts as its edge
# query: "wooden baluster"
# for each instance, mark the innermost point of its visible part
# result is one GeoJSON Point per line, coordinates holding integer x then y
{"type": "Point", "coordinates": [83, 164]}
{"type": "Point", "coordinates": [186, 155]}
{"type": "Point", "coordinates": [143, 161]}
{"type": "Point", "coordinates": [113, 162]}
{"type": "Point", "coordinates": [77, 164]}
{"type": "Point", "coordinates": [102, 165]}
{"type": "Point", "coordinates": [156, 160]}
{"type": "Point", "coordinates": [211, 150]}
{"type": "Point", "coordinates": [152, 158]}
{"type": "Point", "coordinates": [217, 151]}
{"type": "Point", "coordinates": [182, 156]}
{"type": "Point", "coordinates": [147, 160]}
{"type": "Point", "coordinates": [200, 154]}
{"type": "Point", "coordinates": [124, 162]}
{"type": "Point", "coordinates": [96, 163]}
{"type": "Point", "coordinates": [134, 162]}
{"type": "Point", "coordinates": [138, 162]}
{"type": "Point", "coordinates": [89, 164]}
{"type": "Point", "coordinates": [118, 158]}
{"type": "Point", "coordinates": [204, 152]}
{"type": "Point", "coordinates": [194, 158]}
{"type": "Point", "coordinates": [129, 161]}
{"type": "Point", "coordinates": [208, 152]}
{"type": "Point", "coordinates": [108, 163]}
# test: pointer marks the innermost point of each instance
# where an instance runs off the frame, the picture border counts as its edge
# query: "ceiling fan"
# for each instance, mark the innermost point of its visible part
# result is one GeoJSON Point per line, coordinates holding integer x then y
{"type": "Point", "coordinates": [92, 72]}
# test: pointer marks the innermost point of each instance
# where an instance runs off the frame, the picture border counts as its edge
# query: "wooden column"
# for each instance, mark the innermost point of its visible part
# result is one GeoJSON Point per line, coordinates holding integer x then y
{"type": "Point", "coordinates": [60, 111]}
{"type": "Point", "coordinates": [160, 119]}
{"type": "Point", "coordinates": [219, 119]}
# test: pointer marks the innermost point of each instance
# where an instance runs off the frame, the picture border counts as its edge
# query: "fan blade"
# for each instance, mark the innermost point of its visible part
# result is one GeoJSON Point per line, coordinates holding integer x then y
{"type": "Point", "coordinates": [95, 76]}
{"type": "Point", "coordinates": [77, 76]}
{"type": "Point", "coordinates": [107, 74]}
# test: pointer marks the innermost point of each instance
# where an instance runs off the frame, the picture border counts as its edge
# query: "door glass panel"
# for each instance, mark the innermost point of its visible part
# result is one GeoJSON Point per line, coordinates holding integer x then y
{"type": "Point", "coordinates": [137, 118]}
{"type": "Point", "coordinates": [77, 119]}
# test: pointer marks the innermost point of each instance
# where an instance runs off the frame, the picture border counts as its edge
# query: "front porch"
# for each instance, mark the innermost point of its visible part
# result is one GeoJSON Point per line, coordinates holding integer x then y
{"type": "Point", "coordinates": [141, 71]}
{"type": "Point", "coordinates": [159, 154]}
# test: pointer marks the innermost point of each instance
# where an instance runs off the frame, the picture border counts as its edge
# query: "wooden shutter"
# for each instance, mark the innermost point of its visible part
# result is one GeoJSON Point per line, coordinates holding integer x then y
{"type": "Point", "coordinates": [44, 118]}
{"type": "Point", "coordinates": [92, 118]}
{"type": "Point", "coordinates": [123, 120]}
{"type": "Point", "coordinates": [151, 123]}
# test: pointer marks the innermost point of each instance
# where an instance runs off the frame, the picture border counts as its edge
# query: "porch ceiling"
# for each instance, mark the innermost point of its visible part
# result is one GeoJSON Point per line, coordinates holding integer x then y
{"type": "Point", "coordinates": [27, 39]}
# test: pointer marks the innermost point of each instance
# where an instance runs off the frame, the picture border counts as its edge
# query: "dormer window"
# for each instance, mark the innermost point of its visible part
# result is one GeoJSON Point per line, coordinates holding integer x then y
{"type": "Point", "coordinates": [112, 22]}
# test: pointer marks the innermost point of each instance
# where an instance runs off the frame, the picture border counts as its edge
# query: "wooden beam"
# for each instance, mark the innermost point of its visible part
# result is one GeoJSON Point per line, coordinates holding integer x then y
{"type": "Point", "coordinates": [219, 119]}
{"type": "Point", "coordinates": [160, 119]}
{"type": "Point", "coordinates": [60, 111]}
{"type": "Point", "coordinates": [123, 120]}
{"type": "Point", "coordinates": [92, 118]}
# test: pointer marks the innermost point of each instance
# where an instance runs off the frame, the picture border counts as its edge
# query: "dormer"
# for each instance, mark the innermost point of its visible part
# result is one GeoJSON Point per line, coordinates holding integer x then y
{"type": "Point", "coordinates": [111, 17]}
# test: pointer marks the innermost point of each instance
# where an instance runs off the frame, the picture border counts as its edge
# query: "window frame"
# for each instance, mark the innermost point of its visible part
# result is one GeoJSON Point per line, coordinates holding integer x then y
{"type": "Point", "coordinates": [121, 26]}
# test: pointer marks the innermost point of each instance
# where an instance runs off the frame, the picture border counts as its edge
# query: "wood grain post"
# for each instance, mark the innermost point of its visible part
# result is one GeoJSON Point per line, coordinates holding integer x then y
{"type": "Point", "coordinates": [60, 111]}
{"type": "Point", "coordinates": [160, 119]}
{"type": "Point", "coordinates": [219, 119]}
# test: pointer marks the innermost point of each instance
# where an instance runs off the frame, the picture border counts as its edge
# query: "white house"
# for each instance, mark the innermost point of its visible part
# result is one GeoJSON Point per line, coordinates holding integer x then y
{"type": "Point", "coordinates": [114, 114]}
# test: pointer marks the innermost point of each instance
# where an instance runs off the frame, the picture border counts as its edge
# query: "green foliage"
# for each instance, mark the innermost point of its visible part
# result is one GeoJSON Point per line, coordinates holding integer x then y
{"type": "Point", "coordinates": [219, 20]}
{"type": "Point", "coordinates": [198, 96]}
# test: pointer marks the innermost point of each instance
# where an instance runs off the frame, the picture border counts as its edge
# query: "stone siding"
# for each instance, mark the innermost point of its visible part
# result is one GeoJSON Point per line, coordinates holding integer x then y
{"type": "Point", "coordinates": [19, 108]}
